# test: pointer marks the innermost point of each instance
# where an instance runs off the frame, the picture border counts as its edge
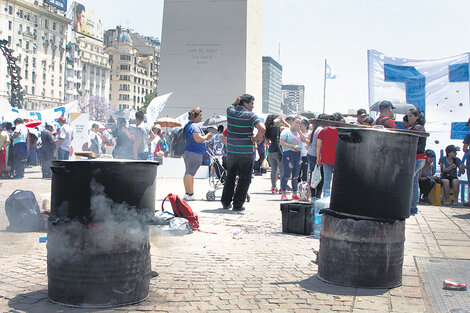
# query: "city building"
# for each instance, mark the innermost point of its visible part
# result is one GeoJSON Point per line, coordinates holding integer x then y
{"type": "Point", "coordinates": [293, 98]}
{"type": "Point", "coordinates": [272, 86]}
{"type": "Point", "coordinates": [134, 61]}
{"type": "Point", "coordinates": [211, 53]}
{"type": "Point", "coordinates": [37, 34]}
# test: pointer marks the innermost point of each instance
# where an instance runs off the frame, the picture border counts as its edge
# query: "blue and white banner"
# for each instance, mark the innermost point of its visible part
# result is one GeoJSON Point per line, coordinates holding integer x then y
{"type": "Point", "coordinates": [9, 113]}
{"type": "Point", "coordinates": [439, 88]}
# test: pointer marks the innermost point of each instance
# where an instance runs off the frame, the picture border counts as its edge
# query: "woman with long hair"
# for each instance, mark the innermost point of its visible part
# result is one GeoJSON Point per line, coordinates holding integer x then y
{"type": "Point", "coordinates": [272, 134]}
{"type": "Point", "coordinates": [416, 122]}
{"type": "Point", "coordinates": [124, 141]}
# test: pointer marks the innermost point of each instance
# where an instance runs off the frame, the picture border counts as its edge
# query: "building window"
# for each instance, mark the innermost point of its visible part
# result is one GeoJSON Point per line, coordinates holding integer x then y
{"type": "Point", "coordinates": [53, 26]}
{"type": "Point", "coordinates": [33, 90]}
{"type": "Point", "coordinates": [9, 40]}
{"type": "Point", "coordinates": [10, 10]}
{"type": "Point", "coordinates": [9, 25]}
{"type": "Point", "coordinates": [27, 45]}
{"type": "Point", "coordinates": [26, 74]}
{"type": "Point", "coordinates": [46, 23]}
{"type": "Point", "coordinates": [61, 28]}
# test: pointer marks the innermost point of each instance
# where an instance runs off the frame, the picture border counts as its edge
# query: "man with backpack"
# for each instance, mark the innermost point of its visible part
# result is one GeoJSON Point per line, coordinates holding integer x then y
{"type": "Point", "coordinates": [386, 115]}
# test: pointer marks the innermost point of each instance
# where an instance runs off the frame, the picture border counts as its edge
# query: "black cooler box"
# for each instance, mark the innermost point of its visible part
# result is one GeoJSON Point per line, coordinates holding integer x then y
{"type": "Point", "coordinates": [297, 217]}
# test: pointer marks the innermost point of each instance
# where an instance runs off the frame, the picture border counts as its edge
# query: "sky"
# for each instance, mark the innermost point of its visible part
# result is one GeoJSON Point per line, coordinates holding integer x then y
{"type": "Point", "coordinates": [341, 31]}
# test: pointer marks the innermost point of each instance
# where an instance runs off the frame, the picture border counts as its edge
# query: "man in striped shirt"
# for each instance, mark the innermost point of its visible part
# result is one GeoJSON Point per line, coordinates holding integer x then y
{"type": "Point", "coordinates": [240, 150]}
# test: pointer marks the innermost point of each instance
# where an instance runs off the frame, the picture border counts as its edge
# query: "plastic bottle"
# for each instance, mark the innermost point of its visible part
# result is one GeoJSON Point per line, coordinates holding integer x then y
{"type": "Point", "coordinates": [323, 203]}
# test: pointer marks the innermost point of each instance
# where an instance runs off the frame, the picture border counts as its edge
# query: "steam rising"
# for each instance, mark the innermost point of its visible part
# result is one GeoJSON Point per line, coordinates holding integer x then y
{"type": "Point", "coordinates": [114, 227]}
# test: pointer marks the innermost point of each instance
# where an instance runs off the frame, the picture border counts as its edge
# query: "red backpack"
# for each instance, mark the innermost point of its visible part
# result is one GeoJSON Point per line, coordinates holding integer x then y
{"type": "Point", "coordinates": [182, 209]}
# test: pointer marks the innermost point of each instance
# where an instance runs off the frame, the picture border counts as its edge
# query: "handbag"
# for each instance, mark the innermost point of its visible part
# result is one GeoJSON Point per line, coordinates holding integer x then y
{"type": "Point", "coordinates": [316, 177]}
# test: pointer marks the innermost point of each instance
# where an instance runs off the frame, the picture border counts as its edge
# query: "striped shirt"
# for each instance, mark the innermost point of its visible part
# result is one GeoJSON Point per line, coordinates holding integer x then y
{"type": "Point", "coordinates": [240, 124]}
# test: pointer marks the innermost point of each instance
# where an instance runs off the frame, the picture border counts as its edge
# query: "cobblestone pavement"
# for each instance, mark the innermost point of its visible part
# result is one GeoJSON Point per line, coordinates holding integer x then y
{"type": "Point", "coordinates": [265, 271]}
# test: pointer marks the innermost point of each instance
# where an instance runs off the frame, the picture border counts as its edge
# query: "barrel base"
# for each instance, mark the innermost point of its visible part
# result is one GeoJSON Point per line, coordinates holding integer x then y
{"type": "Point", "coordinates": [362, 254]}
{"type": "Point", "coordinates": [92, 306]}
{"type": "Point", "coordinates": [100, 280]}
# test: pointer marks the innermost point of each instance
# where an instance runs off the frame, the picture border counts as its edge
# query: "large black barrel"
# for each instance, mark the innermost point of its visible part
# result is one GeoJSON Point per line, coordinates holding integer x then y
{"type": "Point", "coordinates": [374, 173]}
{"type": "Point", "coordinates": [98, 253]}
{"type": "Point", "coordinates": [361, 253]}
{"type": "Point", "coordinates": [132, 182]}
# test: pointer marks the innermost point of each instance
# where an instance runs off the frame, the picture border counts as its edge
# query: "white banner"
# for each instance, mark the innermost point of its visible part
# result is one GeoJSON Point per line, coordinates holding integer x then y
{"type": "Point", "coordinates": [439, 88]}
{"type": "Point", "coordinates": [9, 113]}
{"type": "Point", "coordinates": [155, 107]}
{"type": "Point", "coordinates": [79, 124]}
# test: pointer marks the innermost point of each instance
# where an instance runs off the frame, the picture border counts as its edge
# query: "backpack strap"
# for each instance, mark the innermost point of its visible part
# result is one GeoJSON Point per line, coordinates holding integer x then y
{"type": "Point", "coordinates": [383, 120]}
{"type": "Point", "coordinates": [163, 202]}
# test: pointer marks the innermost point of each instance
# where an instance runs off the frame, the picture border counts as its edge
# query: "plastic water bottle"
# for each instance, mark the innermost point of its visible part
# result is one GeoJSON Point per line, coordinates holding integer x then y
{"type": "Point", "coordinates": [323, 203]}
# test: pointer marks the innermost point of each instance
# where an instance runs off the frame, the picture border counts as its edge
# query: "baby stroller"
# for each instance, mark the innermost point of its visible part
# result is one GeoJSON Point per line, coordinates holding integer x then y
{"type": "Point", "coordinates": [217, 175]}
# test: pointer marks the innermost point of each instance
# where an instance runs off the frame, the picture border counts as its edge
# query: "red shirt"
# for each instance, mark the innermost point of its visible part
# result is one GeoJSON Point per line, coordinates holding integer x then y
{"type": "Point", "coordinates": [225, 133]}
{"type": "Point", "coordinates": [328, 136]}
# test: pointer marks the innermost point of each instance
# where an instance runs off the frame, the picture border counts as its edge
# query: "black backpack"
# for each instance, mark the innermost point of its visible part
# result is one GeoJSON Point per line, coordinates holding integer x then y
{"type": "Point", "coordinates": [23, 213]}
{"type": "Point", "coordinates": [179, 143]}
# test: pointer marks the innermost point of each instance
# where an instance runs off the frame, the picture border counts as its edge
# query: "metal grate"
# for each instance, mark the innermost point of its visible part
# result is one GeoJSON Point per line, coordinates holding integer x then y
{"type": "Point", "coordinates": [434, 271]}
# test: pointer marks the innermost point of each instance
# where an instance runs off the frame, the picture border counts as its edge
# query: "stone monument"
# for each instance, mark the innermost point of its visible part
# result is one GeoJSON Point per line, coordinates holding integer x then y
{"type": "Point", "coordinates": [211, 52]}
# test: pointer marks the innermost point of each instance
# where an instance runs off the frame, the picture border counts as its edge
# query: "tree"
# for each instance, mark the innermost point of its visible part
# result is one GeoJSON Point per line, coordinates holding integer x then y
{"type": "Point", "coordinates": [148, 98]}
{"type": "Point", "coordinates": [95, 106]}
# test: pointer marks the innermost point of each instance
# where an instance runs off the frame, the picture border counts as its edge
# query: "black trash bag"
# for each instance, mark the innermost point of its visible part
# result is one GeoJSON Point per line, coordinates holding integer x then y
{"type": "Point", "coordinates": [23, 213]}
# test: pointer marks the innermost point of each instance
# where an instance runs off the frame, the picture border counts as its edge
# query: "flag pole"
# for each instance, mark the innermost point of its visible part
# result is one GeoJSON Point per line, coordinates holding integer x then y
{"type": "Point", "coordinates": [324, 88]}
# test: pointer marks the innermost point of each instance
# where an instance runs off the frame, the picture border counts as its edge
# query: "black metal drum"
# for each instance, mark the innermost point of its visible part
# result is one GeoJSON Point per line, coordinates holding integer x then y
{"type": "Point", "coordinates": [98, 252]}
{"type": "Point", "coordinates": [361, 253]}
{"type": "Point", "coordinates": [374, 173]}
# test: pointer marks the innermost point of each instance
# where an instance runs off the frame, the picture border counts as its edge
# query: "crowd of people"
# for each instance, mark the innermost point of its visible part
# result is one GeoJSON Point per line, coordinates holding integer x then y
{"type": "Point", "coordinates": [289, 145]}
{"type": "Point", "coordinates": [293, 149]}
{"type": "Point", "coordinates": [25, 147]}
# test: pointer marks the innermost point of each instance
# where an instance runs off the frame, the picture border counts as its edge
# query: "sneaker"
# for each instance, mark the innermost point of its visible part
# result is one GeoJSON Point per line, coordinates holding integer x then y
{"type": "Point", "coordinates": [226, 207]}
{"type": "Point", "coordinates": [280, 191]}
{"type": "Point", "coordinates": [284, 197]}
{"type": "Point", "coordinates": [188, 197]}
{"type": "Point", "coordinates": [274, 190]}
{"type": "Point", "coordinates": [239, 209]}
{"type": "Point", "coordinates": [295, 197]}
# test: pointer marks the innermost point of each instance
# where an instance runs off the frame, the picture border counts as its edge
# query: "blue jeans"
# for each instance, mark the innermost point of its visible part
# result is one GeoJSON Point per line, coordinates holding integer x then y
{"type": "Point", "coordinates": [291, 163]}
{"type": "Point", "coordinates": [20, 154]}
{"type": "Point", "coordinates": [63, 154]}
{"type": "Point", "coordinates": [328, 171]}
{"type": "Point", "coordinates": [415, 196]}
